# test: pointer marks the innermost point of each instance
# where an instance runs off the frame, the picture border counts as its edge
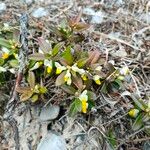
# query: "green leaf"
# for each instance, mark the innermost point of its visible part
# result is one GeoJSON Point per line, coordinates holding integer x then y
{"type": "Point", "coordinates": [56, 48]}
{"type": "Point", "coordinates": [146, 117]}
{"type": "Point", "coordinates": [34, 98]}
{"type": "Point", "coordinates": [5, 43]}
{"type": "Point", "coordinates": [31, 63]}
{"type": "Point", "coordinates": [81, 26]}
{"type": "Point", "coordinates": [23, 89]}
{"type": "Point", "coordinates": [114, 86]}
{"type": "Point", "coordinates": [31, 79]}
{"type": "Point", "coordinates": [1, 61]}
{"type": "Point", "coordinates": [68, 89]}
{"type": "Point", "coordinates": [76, 106]}
{"type": "Point", "coordinates": [91, 95]}
{"type": "Point", "coordinates": [139, 103]}
{"type": "Point", "coordinates": [60, 79]}
{"type": "Point", "coordinates": [81, 62]}
{"type": "Point", "coordinates": [44, 46]}
{"type": "Point", "coordinates": [91, 104]}
{"type": "Point", "coordinates": [67, 56]}
{"type": "Point", "coordinates": [26, 96]}
{"type": "Point", "coordinates": [14, 63]}
{"type": "Point", "coordinates": [43, 89]}
{"type": "Point", "coordinates": [77, 81]}
{"type": "Point", "coordinates": [112, 138]}
{"type": "Point", "coordinates": [119, 82]}
{"type": "Point", "coordinates": [138, 123]}
{"type": "Point", "coordinates": [37, 56]}
{"type": "Point", "coordinates": [104, 88]}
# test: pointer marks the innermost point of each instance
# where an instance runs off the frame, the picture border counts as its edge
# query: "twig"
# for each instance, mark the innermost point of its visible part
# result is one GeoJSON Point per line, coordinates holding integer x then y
{"type": "Point", "coordinates": [22, 63]}
{"type": "Point", "coordinates": [118, 40]}
{"type": "Point", "coordinates": [127, 138]}
{"type": "Point", "coordinates": [63, 11]}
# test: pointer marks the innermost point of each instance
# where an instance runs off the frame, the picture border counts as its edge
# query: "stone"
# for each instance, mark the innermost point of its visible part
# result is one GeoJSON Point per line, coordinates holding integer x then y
{"type": "Point", "coordinates": [97, 17]}
{"type": "Point", "coordinates": [49, 113]}
{"type": "Point", "coordinates": [40, 12]}
{"type": "Point", "coordinates": [88, 11]}
{"type": "Point", "coordinates": [52, 142]}
{"type": "Point", "coordinates": [28, 2]}
{"type": "Point", "coordinates": [2, 7]}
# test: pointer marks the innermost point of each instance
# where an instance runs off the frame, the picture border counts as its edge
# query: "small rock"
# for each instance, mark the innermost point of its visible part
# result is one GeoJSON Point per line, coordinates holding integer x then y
{"type": "Point", "coordinates": [145, 17]}
{"type": "Point", "coordinates": [98, 18]}
{"type": "Point", "coordinates": [2, 7]}
{"type": "Point", "coordinates": [52, 142]}
{"type": "Point", "coordinates": [49, 113]}
{"type": "Point", "coordinates": [40, 12]}
{"type": "Point", "coordinates": [88, 11]}
{"type": "Point", "coordinates": [28, 2]}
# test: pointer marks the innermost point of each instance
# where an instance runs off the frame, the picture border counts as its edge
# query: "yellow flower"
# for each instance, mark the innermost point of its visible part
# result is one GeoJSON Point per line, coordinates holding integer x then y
{"type": "Point", "coordinates": [49, 65]}
{"type": "Point", "coordinates": [59, 68]}
{"type": "Point", "coordinates": [84, 106]}
{"type": "Point", "coordinates": [83, 98]}
{"type": "Point", "coordinates": [84, 77]}
{"type": "Point", "coordinates": [37, 65]}
{"type": "Point", "coordinates": [80, 71]}
{"type": "Point", "coordinates": [96, 78]}
{"type": "Point", "coordinates": [133, 112]}
{"type": "Point", "coordinates": [5, 55]}
{"type": "Point", "coordinates": [67, 77]}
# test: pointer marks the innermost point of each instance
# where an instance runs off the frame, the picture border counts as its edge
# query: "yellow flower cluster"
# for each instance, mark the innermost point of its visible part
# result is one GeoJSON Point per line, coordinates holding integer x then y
{"type": "Point", "coordinates": [84, 98]}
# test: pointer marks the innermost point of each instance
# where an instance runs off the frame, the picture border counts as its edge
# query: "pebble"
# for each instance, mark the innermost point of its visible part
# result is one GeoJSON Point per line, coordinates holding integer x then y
{"type": "Point", "coordinates": [40, 12]}
{"type": "Point", "coordinates": [49, 113]}
{"type": "Point", "coordinates": [97, 17]}
{"type": "Point", "coordinates": [2, 7]}
{"type": "Point", "coordinates": [28, 2]}
{"type": "Point", "coordinates": [52, 142]}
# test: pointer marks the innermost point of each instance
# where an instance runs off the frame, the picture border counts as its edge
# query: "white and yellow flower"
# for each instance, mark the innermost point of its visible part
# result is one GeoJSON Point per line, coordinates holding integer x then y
{"type": "Point", "coordinates": [49, 65]}
{"type": "Point", "coordinates": [59, 68]}
{"type": "Point", "coordinates": [82, 72]}
{"type": "Point", "coordinates": [84, 98]}
{"type": "Point", "coordinates": [98, 68]}
{"type": "Point", "coordinates": [36, 66]}
{"type": "Point", "coordinates": [76, 69]}
{"type": "Point", "coordinates": [133, 112]}
{"type": "Point", "coordinates": [5, 53]}
{"type": "Point", "coordinates": [67, 77]}
{"type": "Point", "coordinates": [96, 78]}
{"type": "Point", "coordinates": [124, 70]}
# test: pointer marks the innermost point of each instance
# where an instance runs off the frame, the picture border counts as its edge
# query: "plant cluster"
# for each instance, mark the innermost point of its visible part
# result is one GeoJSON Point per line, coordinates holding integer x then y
{"type": "Point", "coordinates": [79, 72]}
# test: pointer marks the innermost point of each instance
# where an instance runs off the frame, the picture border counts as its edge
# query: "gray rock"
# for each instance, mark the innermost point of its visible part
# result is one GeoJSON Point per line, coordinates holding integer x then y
{"type": "Point", "coordinates": [40, 12]}
{"type": "Point", "coordinates": [52, 142]}
{"type": "Point", "coordinates": [97, 17]}
{"type": "Point", "coordinates": [49, 113]}
{"type": "Point", "coordinates": [28, 2]}
{"type": "Point", "coordinates": [88, 11]}
{"type": "Point", "coordinates": [2, 7]}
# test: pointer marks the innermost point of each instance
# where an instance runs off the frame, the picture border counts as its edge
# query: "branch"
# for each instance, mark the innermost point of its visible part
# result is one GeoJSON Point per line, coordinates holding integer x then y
{"type": "Point", "coordinates": [23, 53]}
